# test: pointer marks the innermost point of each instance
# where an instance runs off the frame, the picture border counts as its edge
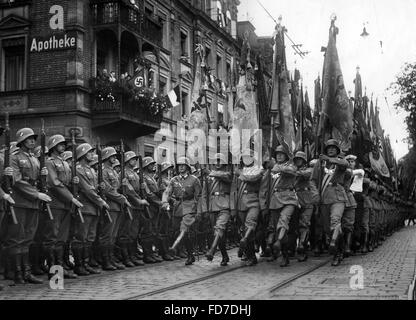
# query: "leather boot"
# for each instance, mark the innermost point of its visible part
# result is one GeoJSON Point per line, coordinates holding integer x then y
{"type": "Point", "coordinates": [303, 240]}
{"type": "Point", "coordinates": [131, 247]}
{"type": "Point", "coordinates": [125, 256]}
{"type": "Point", "coordinates": [147, 252]}
{"type": "Point", "coordinates": [50, 259]}
{"type": "Point", "coordinates": [269, 248]}
{"type": "Point", "coordinates": [251, 255]}
{"type": "Point", "coordinates": [244, 240]}
{"type": "Point", "coordinates": [336, 260]}
{"type": "Point", "coordinates": [347, 238]}
{"type": "Point", "coordinates": [285, 255]}
{"type": "Point", "coordinates": [364, 243]}
{"type": "Point", "coordinates": [370, 241]}
{"type": "Point", "coordinates": [277, 245]}
{"type": "Point", "coordinates": [17, 268]}
{"type": "Point", "coordinates": [86, 260]}
{"type": "Point", "coordinates": [27, 274]}
{"type": "Point", "coordinates": [105, 259]}
{"type": "Point", "coordinates": [36, 258]}
{"type": "Point", "coordinates": [211, 252]}
{"type": "Point", "coordinates": [93, 257]}
{"type": "Point", "coordinates": [79, 268]}
{"type": "Point", "coordinates": [335, 234]}
{"type": "Point", "coordinates": [223, 250]}
{"type": "Point", "coordinates": [113, 260]}
{"type": "Point", "coordinates": [68, 265]}
{"type": "Point", "coordinates": [59, 260]}
{"type": "Point", "coordinates": [163, 249]}
{"type": "Point", "coordinates": [190, 258]}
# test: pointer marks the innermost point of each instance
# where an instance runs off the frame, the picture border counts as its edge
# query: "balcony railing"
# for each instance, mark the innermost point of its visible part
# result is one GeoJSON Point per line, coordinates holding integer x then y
{"type": "Point", "coordinates": [118, 12]}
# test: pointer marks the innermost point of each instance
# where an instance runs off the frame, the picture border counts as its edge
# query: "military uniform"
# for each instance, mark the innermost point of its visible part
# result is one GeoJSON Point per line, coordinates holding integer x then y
{"type": "Point", "coordinates": [185, 191]}
{"type": "Point", "coordinates": [348, 217]}
{"type": "Point", "coordinates": [85, 233]}
{"type": "Point", "coordinates": [218, 190]}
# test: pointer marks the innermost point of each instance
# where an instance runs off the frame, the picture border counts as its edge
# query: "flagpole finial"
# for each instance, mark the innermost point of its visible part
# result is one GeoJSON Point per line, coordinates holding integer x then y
{"type": "Point", "coordinates": [333, 17]}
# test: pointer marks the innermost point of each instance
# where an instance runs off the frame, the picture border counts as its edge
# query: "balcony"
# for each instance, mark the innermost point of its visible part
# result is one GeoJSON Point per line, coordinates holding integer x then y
{"type": "Point", "coordinates": [119, 12]}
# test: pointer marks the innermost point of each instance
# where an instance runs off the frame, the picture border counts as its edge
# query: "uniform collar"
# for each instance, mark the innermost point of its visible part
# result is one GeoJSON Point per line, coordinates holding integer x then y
{"type": "Point", "coordinates": [184, 176]}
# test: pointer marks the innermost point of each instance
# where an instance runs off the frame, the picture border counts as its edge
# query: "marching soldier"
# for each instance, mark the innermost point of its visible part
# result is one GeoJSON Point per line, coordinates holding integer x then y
{"type": "Point", "coordinates": [248, 206]}
{"type": "Point", "coordinates": [85, 233]}
{"type": "Point", "coordinates": [26, 196]}
{"type": "Point", "coordinates": [185, 190]}
{"type": "Point", "coordinates": [308, 196]}
{"type": "Point", "coordinates": [333, 196]}
{"type": "Point", "coordinates": [56, 232]}
{"type": "Point", "coordinates": [130, 231]}
{"type": "Point", "coordinates": [218, 188]}
{"type": "Point", "coordinates": [283, 203]}
{"type": "Point", "coordinates": [165, 220]}
{"type": "Point", "coordinates": [117, 166]}
{"type": "Point", "coordinates": [150, 236]}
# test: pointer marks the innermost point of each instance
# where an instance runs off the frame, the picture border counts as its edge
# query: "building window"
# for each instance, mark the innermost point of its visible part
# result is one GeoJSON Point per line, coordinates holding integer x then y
{"type": "Point", "coordinates": [163, 85]}
{"type": "Point", "coordinates": [149, 150]}
{"type": "Point", "coordinates": [14, 64]}
{"type": "Point", "coordinates": [185, 103]}
{"type": "Point", "coordinates": [228, 75]}
{"type": "Point", "coordinates": [219, 67]}
{"type": "Point", "coordinates": [184, 44]}
{"type": "Point", "coordinates": [220, 115]}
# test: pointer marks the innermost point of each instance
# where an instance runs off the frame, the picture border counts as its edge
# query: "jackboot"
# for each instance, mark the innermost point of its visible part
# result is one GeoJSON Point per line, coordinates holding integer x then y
{"type": "Point", "coordinates": [364, 243]}
{"type": "Point", "coordinates": [86, 260]}
{"type": "Point", "coordinates": [50, 259]}
{"type": "Point", "coordinates": [163, 249]}
{"type": "Point", "coordinates": [251, 255]}
{"type": "Point", "coordinates": [337, 259]}
{"type": "Point", "coordinates": [79, 268]}
{"type": "Point", "coordinates": [335, 234]}
{"type": "Point", "coordinates": [269, 248]}
{"type": "Point", "coordinates": [370, 241]}
{"type": "Point", "coordinates": [277, 245]}
{"type": "Point", "coordinates": [285, 256]}
{"type": "Point", "coordinates": [131, 247]}
{"type": "Point", "coordinates": [347, 239]}
{"type": "Point", "coordinates": [244, 240]}
{"type": "Point", "coordinates": [93, 257]}
{"type": "Point", "coordinates": [59, 260]}
{"type": "Point", "coordinates": [17, 268]}
{"type": "Point", "coordinates": [105, 259]}
{"type": "Point", "coordinates": [191, 258]}
{"type": "Point", "coordinates": [27, 274]}
{"type": "Point", "coordinates": [223, 250]}
{"type": "Point", "coordinates": [113, 260]}
{"type": "Point", "coordinates": [147, 252]}
{"type": "Point", "coordinates": [36, 258]}
{"type": "Point", "coordinates": [211, 252]}
{"type": "Point", "coordinates": [68, 265]}
{"type": "Point", "coordinates": [125, 257]}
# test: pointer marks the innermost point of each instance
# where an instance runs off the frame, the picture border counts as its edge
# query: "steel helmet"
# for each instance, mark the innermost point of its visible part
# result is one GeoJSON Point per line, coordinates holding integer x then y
{"type": "Point", "coordinates": [23, 134]}
{"type": "Point", "coordinates": [83, 149]}
{"type": "Point", "coordinates": [300, 155]}
{"type": "Point", "coordinates": [129, 155]}
{"type": "Point", "coordinates": [166, 166]}
{"type": "Point", "coordinates": [147, 161]}
{"type": "Point", "coordinates": [67, 155]}
{"type": "Point", "coordinates": [281, 149]}
{"type": "Point", "coordinates": [55, 140]}
{"type": "Point", "coordinates": [185, 161]}
{"type": "Point", "coordinates": [334, 143]}
{"type": "Point", "coordinates": [107, 153]}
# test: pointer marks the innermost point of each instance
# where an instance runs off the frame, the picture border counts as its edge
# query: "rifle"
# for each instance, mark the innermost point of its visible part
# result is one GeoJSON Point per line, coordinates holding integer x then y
{"type": "Point", "coordinates": [100, 181]}
{"type": "Point", "coordinates": [7, 179]}
{"type": "Point", "coordinates": [73, 175]}
{"type": "Point", "coordinates": [122, 175]}
{"type": "Point", "coordinates": [146, 209]}
{"type": "Point", "coordinates": [42, 179]}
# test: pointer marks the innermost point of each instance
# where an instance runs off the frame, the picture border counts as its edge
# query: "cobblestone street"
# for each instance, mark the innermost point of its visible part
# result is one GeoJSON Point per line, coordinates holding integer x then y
{"type": "Point", "coordinates": [388, 273]}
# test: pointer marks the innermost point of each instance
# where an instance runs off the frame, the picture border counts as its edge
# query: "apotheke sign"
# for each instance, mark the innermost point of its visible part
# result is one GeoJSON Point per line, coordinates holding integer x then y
{"type": "Point", "coordinates": [60, 41]}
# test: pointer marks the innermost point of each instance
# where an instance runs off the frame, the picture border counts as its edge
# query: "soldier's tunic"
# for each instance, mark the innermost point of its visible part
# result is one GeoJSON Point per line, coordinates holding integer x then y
{"type": "Point", "coordinates": [364, 218]}
{"type": "Point", "coordinates": [333, 196]}
{"type": "Point", "coordinates": [283, 200]}
{"type": "Point", "coordinates": [56, 232]}
{"type": "Point", "coordinates": [219, 189]}
{"type": "Point", "coordinates": [348, 216]}
{"type": "Point", "coordinates": [185, 190]}
{"type": "Point", "coordinates": [26, 173]}
{"type": "Point", "coordinates": [130, 231]}
{"type": "Point", "coordinates": [308, 196]}
{"type": "Point", "coordinates": [85, 233]}
{"type": "Point", "coordinates": [153, 196]}
{"type": "Point", "coordinates": [165, 227]}
{"type": "Point", "coordinates": [371, 203]}
{"type": "Point", "coordinates": [108, 231]}
{"type": "Point", "coordinates": [248, 204]}
{"type": "Point", "coordinates": [3, 218]}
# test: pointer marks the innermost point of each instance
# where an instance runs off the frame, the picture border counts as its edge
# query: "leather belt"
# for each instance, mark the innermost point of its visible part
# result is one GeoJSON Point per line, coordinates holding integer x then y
{"type": "Point", "coordinates": [30, 181]}
{"type": "Point", "coordinates": [246, 192]}
{"type": "Point", "coordinates": [302, 189]}
{"type": "Point", "coordinates": [220, 194]}
{"type": "Point", "coordinates": [281, 190]}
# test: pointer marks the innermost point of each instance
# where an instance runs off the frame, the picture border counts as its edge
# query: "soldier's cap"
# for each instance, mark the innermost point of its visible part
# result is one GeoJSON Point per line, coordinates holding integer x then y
{"type": "Point", "coordinates": [116, 163]}
{"type": "Point", "coordinates": [83, 149]}
{"type": "Point", "coordinates": [351, 157]}
{"type": "Point", "coordinates": [166, 166]}
{"type": "Point", "coordinates": [23, 134]}
{"type": "Point", "coordinates": [107, 153]}
{"type": "Point", "coordinates": [67, 155]}
{"type": "Point", "coordinates": [37, 150]}
{"type": "Point", "coordinates": [333, 143]}
{"type": "Point", "coordinates": [300, 155]}
{"type": "Point", "coordinates": [130, 155]}
{"type": "Point", "coordinates": [184, 161]}
{"type": "Point", "coordinates": [94, 160]}
{"type": "Point", "coordinates": [221, 157]}
{"type": "Point", "coordinates": [147, 161]}
{"type": "Point", "coordinates": [281, 149]}
{"type": "Point", "coordinates": [55, 140]}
